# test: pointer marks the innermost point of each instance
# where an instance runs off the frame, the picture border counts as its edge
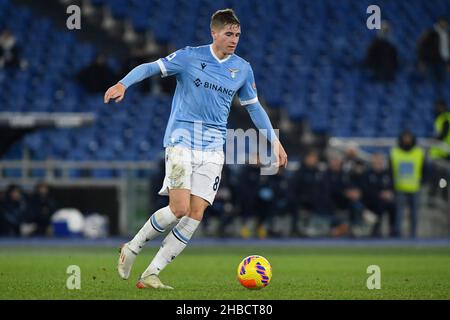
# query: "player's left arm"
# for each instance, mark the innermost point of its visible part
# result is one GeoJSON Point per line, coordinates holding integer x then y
{"type": "Point", "coordinates": [262, 122]}
{"type": "Point", "coordinates": [249, 98]}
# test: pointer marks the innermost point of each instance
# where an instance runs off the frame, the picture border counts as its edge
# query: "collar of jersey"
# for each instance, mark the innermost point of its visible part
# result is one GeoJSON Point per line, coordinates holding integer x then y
{"type": "Point", "coordinates": [215, 57]}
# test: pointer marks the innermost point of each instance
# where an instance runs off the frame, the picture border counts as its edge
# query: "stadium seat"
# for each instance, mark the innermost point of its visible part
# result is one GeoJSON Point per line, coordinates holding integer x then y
{"type": "Point", "coordinates": [303, 68]}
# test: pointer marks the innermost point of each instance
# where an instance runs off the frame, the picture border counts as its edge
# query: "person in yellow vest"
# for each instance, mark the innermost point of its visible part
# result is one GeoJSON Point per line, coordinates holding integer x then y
{"type": "Point", "coordinates": [407, 165]}
{"type": "Point", "coordinates": [442, 132]}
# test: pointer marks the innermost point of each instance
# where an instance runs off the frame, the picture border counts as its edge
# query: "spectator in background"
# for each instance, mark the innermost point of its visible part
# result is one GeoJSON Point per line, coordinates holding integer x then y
{"type": "Point", "coordinates": [12, 212]}
{"type": "Point", "coordinates": [407, 164]}
{"type": "Point", "coordinates": [42, 206]}
{"type": "Point", "coordinates": [382, 55]}
{"type": "Point", "coordinates": [336, 181]}
{"type": "Point", "coordinates": [246, 196]}
{"type": "Point", "coordinates": [9, 51]}
{"type": "Point", "coordinates": [441, 149]}
{"type": "Point", "coordinates": [442, 131]}
{"type": "Point", "coordinates": [269, 187]}
{"type": "Point", "coordinates": [281, 206]}
{"type": "Point", "coordinates": [307, 191]}
{"type": "Point", "coordinates": [352, 163]}
{"type": "Point", "coordinates": [97, 76]}
{"type": "Point", "coordinates": [346, 194]}
{"type": "Point", "coordinates": [434, 52]}
{"type": "Point", "coordinates": [379, 194]}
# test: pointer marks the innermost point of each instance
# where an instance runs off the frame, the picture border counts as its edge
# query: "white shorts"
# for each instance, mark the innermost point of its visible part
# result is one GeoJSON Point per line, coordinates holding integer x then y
{"type": "Point", "coordinates": [196, 170]}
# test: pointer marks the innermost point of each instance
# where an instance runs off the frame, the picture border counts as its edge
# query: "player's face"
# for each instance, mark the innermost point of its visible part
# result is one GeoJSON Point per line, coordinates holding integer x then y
{"type": "Point", "coordinates": [227, 38]}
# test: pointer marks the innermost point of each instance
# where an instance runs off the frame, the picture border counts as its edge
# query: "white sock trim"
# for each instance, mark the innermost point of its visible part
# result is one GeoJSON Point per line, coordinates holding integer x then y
{"type": "Point", "coordinates": [154, 226]}
{"type": "Point", "coordinates": [184, 230]}
{"type": "Point", "coordinates": [162, 218]}
{"type": "Point", "coordinates": [173, 245]}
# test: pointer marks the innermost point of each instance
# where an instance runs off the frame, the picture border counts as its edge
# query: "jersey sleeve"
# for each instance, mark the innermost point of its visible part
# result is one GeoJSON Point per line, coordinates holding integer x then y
{"type": "Point", "coordinates": [247, 93]}
{"type": "Point", "coordinates": [174, 63]}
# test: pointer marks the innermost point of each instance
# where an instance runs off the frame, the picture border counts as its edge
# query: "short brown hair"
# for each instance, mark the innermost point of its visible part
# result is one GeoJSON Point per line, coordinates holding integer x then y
{"type": "Point", "coordinates": [223, 17]}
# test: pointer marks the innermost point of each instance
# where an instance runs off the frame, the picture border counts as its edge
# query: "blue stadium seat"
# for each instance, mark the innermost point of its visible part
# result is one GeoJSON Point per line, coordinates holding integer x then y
{"type": "Point", "coordinates": [303, 68]}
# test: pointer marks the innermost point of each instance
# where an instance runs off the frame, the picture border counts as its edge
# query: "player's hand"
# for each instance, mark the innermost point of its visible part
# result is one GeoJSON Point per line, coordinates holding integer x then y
{"type": "Point", "coordinates": [116, 92]}
{"type": "Point", "coordinates": [281, 155]}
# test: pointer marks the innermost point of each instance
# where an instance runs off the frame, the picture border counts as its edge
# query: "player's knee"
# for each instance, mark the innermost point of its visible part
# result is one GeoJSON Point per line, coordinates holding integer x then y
{"type": "Point", "coordinates": [180, 210]}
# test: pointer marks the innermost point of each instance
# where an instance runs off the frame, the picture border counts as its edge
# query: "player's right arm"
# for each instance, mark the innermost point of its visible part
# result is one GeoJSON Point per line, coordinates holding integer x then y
{"type": "Point", "coordinates": [170, 65]}
{"type": "Point", "coordinates": [117, 91]}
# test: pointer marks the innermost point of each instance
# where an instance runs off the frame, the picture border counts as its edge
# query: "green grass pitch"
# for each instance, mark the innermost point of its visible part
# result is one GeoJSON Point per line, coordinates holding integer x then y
{"type": "Point", "coordinates": [209, 273]}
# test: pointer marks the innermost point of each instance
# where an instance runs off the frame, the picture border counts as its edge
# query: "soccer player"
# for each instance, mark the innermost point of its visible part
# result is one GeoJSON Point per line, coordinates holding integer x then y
{"type": "Point", "coordinates": [208, 77]}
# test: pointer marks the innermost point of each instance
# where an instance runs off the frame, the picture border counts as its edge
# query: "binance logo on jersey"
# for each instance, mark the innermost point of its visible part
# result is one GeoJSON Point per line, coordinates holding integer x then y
{"type": "Point", "coordinates": [215, 87]}
{"type": "Point", "coordinates": [198, 82]}
{"type": "Point", "coordinates": [219, 88]}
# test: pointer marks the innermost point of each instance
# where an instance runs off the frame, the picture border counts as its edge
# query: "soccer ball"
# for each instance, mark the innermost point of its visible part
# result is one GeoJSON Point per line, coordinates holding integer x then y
{"type": "Point", "coordinates": [254, 272]}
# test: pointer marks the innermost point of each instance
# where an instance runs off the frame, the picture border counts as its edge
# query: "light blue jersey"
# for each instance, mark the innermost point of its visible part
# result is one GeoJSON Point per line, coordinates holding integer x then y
{"type": "Point", "coordinates": [205, 89]}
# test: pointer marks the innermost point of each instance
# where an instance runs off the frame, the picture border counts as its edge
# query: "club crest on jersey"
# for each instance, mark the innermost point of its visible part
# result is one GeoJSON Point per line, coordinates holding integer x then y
{"type": "Point", "coordinates": [233, 72]}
